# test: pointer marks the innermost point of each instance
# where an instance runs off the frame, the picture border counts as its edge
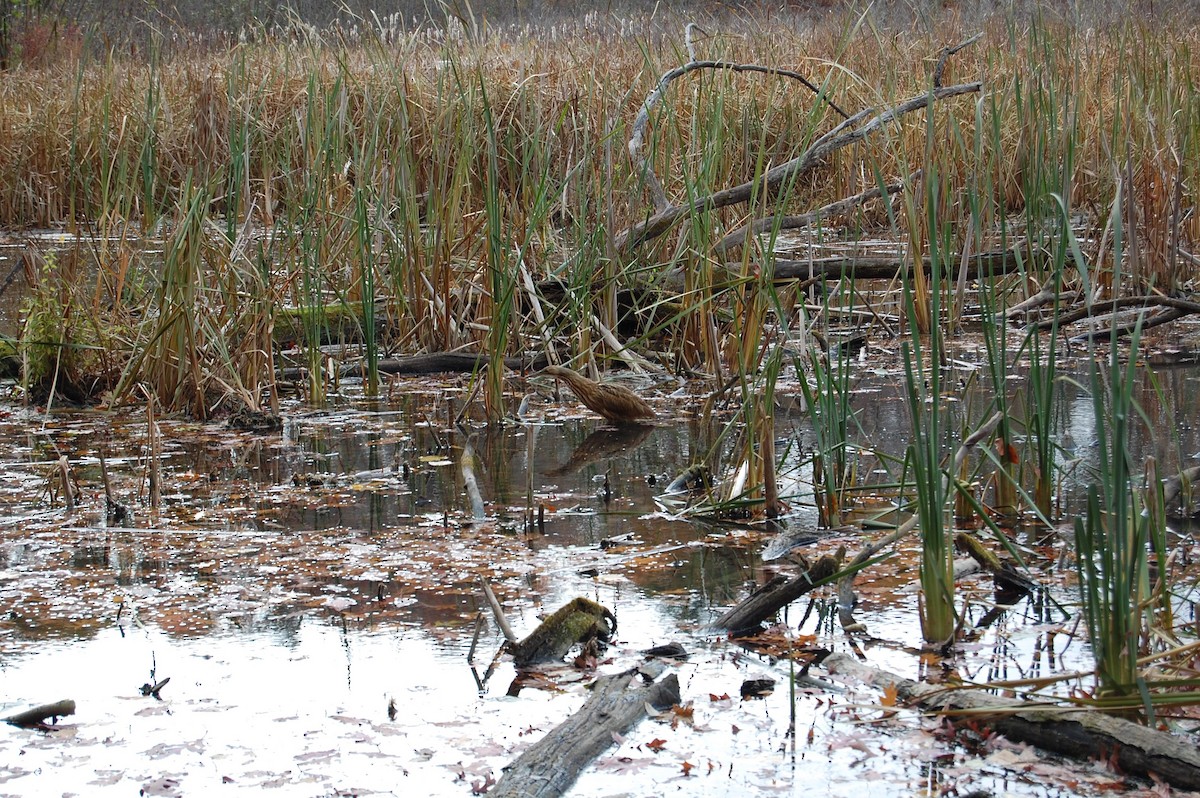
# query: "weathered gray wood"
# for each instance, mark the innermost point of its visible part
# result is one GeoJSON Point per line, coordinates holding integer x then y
{"type": "Point", "coordinates": [843, 135]}
{"type": "Point", "coordinates": [1079, 733]}
{"type": "Point", "coordinates": [550, 766]}
{"type": "Point", "coordinates": [36, 715]}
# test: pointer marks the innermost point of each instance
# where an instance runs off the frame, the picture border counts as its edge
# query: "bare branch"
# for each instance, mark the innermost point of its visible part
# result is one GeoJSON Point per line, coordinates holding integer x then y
{"type": "Point", "coordinates": [641, 163]}
{"type": "Point", "coordinates": [664, 219]}
{"type": "Point", "coordinates": [945, 56]}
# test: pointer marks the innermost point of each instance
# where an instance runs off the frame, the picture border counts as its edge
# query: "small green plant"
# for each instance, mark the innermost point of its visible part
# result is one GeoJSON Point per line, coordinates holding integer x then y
{"type": "Point", "coordinates": [923, 382]}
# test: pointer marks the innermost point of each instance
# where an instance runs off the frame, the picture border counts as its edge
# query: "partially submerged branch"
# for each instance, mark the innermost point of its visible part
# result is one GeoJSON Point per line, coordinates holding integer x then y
{"type": "Point", "coordinates": [1129, 746]}
{"type": "Point", "coordinates": [37, 716]}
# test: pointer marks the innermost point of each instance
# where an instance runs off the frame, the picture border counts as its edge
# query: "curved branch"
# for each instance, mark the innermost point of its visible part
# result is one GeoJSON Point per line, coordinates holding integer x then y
{"type": "Point", "coordinates": [665, 218]}
{"type": "Point", "coordinates": [1185, 306]}
{"type": "Point", "coordinates": [641, 163]}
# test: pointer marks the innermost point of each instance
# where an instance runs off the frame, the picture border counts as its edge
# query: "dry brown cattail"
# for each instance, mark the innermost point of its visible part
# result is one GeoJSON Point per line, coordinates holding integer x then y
{"type": "Point", "coordinates": [614, 402]}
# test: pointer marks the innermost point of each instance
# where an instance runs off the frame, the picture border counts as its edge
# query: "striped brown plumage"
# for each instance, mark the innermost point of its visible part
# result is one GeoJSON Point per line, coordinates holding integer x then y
{"type": "Point", "coordinates": [615, 402]}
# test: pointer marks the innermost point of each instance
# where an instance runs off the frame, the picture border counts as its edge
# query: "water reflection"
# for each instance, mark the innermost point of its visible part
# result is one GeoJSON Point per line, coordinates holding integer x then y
{"type": "Point", "coordinates": [296, 581]}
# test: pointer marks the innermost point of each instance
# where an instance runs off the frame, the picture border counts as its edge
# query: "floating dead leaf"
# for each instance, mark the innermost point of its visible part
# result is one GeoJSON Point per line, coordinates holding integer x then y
{"type": "Point", "coordinates": [687, 768]}
{"type": "Point", "coordinates": [481, 787]}
{"type": "Point", "coordinates": [656, 745]}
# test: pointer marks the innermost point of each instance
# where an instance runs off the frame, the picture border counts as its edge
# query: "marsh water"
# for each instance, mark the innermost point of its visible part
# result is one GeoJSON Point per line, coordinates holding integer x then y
{"type": "Point", "coordinates": [312, 595]}
{"type": "Point", "coordinates": [294, 585]}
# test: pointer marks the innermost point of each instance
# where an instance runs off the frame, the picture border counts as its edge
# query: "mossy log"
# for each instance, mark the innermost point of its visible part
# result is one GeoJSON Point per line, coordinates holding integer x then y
{"type": "Point", "coordinates": [550, 766]}
{"type": "Point", "coordinates": [577, 621]}
{"type": "Point", "coordinates": [1091, 734]}
{"type": "Point", "coordinates": [338, 322]}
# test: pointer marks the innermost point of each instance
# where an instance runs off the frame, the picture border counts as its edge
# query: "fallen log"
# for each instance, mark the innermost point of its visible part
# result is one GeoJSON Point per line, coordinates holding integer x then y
{"type": "Point", "coordinates": [432, 363]}
{"type": "Point", "coordinates": [843, 135]}
{"type": "Point", "coordinates": [769, 599]}
{"type": "Point", "coordinates": [37, 716]}
{"type": "Point", "coordinates": [1077, 733]}
{"type": "Point", "coordinates": [886, 267]}
{"type": "Point", "coordinates": [1173, 486]}
{"type": "Point", "coordinates": [551, 765]}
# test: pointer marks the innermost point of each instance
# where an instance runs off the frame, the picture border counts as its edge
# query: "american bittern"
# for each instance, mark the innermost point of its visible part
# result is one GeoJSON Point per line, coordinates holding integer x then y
{"type": "Point", "coordinates": [615, 402]}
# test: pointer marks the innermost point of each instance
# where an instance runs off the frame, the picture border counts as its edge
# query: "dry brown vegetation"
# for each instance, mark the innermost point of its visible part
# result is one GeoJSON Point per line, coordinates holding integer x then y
{"type": "Point", "coordinates": [437, 175]}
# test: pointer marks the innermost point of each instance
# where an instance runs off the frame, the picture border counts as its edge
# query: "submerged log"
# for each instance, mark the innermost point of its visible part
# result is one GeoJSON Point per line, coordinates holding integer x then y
{"type": "Point", "coordinates": [551, 765]}
{"type": "Point", "coordinates": [775, 595]}
{"type": "Point", "coordinates": [37, 716]}
{"type": "Point", "coordinates": [1077, 733]}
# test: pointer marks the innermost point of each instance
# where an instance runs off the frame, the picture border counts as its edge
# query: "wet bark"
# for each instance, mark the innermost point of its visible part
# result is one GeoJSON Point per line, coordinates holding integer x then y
{"type": "Point", "coordinates": [1131, 747]}
{"type": "Point", "coordinates": [577, 621]}
{"type": "Point", "coordinates": [1173, 486]}
{"type": "Point", "coordinates": [40, 714]}
{"type": "Point", "coordinates": [769, 599]}
{"type": "Point", "coordinates": [551, 765]}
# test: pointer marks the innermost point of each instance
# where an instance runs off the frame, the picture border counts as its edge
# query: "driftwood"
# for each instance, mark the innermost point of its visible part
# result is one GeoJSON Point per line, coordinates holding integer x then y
{"type": "Point", "coordinates": [617, 703]}
{"type": "Point", "coordinates": [746, 233]}
{"type": "Point", "coordinates": [433, 363]}
{"type": "Point", "coordinates": [638, 130]}
{"type": "Point", "coordinates": [37, 716]}
{"type": "Point", "coordinates": [578, 621]}
{"type": "Point", "coordinates": [1173, 486]}
{"type": "Point", "coordinates": [885, 267]}
{"type": "Point", "coordinates": [1091, 734]}
{"type": "Point", "coordinates": [1183, 307]}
